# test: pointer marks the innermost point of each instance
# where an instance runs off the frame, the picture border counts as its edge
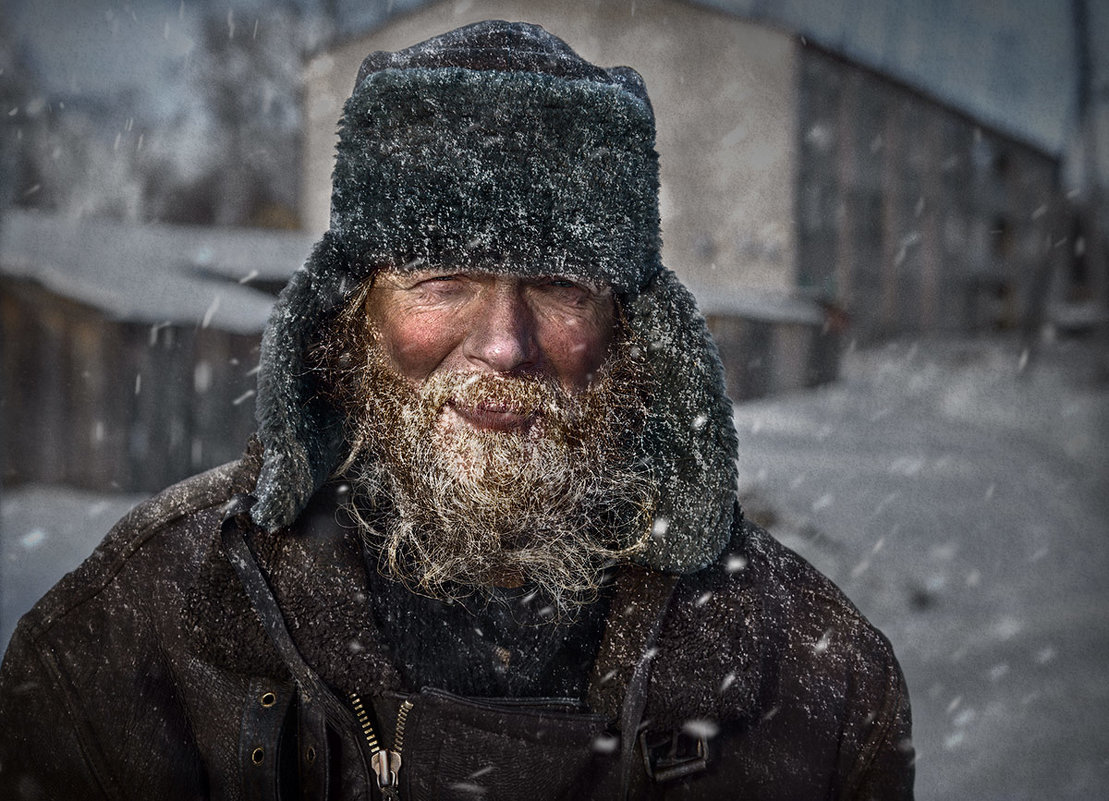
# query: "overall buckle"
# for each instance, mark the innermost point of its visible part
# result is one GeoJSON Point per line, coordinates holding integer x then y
{"type": "Point", "coordinates": [672, 755]}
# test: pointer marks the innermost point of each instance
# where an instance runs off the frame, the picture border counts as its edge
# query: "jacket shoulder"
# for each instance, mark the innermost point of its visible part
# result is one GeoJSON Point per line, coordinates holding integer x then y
{"type": "Point", "coordinates": [760, 574]}
{"type": "Point", "coordinates": [817, 609]}
{"type": "Point", "coordinates": [91, 678]}
{"type": "Point", "coordinates": [762, 619]}
{"type": "Point", "coordinates": [174, 514]}
{"type": "Point", "coordinates": [762, 643]}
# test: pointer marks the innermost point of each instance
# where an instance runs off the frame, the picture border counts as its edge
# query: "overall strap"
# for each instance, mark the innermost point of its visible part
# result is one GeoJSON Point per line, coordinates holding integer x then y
{"type": "Point", "coordinates": [621, 671]}
{"type": "Point", "coordinates": [313, 693]}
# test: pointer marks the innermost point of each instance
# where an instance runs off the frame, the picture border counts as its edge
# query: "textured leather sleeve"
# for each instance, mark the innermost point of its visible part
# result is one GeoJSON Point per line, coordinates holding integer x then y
{"type": "Point", "coordinates": [885, 767]}
{"type": "Point", "coordinates": [42, 756]}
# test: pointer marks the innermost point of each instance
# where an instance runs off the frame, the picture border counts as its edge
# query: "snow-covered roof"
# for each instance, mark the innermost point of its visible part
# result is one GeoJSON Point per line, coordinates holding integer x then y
{"type": "Point", "coordinates": [153, 273]}
{"type": "Point", "coordinates": [1009, 63]}
{"type": "Point", "coordinates": [756, 304]}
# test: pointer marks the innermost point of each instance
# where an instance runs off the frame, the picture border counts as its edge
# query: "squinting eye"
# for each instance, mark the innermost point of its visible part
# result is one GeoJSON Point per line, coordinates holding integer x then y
{"type": "Point", "coordinates": [440, 283]}
{"type": "Point", "coordinates": [566, 291]}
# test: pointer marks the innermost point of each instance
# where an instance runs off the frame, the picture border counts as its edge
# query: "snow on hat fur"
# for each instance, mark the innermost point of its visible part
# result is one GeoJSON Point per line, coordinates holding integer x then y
{"type": "Point", "coordinates": [495, 147]}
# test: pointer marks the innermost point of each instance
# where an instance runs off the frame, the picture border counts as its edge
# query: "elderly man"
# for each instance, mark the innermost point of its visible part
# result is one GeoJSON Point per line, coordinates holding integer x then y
{"type": "Point", "coordinates": [486, 543]}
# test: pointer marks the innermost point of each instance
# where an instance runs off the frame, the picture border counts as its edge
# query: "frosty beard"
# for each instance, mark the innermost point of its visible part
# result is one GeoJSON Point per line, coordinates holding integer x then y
{"type": "Point", "coordinates": [451, 509]}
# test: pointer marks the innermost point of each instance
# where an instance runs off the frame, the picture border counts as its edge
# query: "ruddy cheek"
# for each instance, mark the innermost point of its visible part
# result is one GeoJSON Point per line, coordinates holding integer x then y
{"type": "Point", "coordinates": [577, 357]}
{"type": "Point", "coordinates": [419, 343]}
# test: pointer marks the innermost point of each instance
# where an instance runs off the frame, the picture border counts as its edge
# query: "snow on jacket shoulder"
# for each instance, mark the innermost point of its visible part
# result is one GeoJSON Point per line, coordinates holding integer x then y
{"type": "Point", "coordinates": [91, 701]}
{"type": "Point", "coordinates": [146, 674]}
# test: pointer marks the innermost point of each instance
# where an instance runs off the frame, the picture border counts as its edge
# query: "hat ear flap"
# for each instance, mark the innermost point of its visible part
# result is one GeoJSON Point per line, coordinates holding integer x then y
{"type": "Point", "coordinates": [300, 429]}
{"type": "Point", "coordinates": [689, 442]}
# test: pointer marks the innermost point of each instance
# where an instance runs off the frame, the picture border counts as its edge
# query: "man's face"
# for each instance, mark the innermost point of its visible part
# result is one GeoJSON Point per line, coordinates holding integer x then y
{"type": "Point", "coordinates": [490, 426]}
{"type": "Point", "coordinates": [433, 322]}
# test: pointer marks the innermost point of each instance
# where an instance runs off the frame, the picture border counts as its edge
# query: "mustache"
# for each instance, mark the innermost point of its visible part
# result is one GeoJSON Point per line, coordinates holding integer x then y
{"type": "Point", "coordinates": [531, 395]}
{"type": "Point", "coordinates": [542, 404]}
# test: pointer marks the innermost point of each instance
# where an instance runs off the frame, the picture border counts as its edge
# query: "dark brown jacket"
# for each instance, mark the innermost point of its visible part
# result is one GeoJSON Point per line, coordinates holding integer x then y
{"type": "Point", "coordinates": [146, 674]}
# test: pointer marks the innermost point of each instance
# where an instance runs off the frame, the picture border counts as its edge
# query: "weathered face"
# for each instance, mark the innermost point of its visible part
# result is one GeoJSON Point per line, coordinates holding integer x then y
{"type": "Point", "coordinates": [507, 325]}
{"type": "Point", "coordinates": [490, 423]}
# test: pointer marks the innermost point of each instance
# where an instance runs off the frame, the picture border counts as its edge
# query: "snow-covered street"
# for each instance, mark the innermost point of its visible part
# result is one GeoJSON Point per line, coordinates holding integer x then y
{"type": "Point", "coordinates": [961, 502]}
{"type": "Point", "coordinates": [958, 495]}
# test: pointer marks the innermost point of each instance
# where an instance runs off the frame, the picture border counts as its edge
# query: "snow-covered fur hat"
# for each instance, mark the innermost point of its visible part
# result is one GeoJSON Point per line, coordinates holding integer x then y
{"type": "Point", "coordinates": [495, 147]}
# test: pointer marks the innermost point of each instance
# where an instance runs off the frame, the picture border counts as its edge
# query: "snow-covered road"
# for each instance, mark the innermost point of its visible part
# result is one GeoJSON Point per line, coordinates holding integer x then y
{"type": "Point", "coordinates": [962, 503]}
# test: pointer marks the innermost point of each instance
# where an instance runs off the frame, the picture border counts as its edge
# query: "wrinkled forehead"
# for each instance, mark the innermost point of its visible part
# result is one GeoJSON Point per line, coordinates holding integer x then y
{"type": "Point", "coordinates": [410, 274]}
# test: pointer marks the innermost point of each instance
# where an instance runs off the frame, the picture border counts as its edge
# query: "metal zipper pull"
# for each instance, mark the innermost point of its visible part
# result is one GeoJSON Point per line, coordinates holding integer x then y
{"type": "Point", "coordinates": [385, 762]}
{"type": "Point", "coordinates": [386, 765]}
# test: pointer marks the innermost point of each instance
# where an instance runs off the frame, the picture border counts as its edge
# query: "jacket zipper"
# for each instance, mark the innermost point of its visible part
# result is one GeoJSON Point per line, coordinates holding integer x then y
{"type": "Point", "coordinates": [385, 762]}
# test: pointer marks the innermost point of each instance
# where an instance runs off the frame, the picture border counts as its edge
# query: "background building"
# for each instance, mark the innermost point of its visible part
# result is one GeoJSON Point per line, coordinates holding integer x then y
{"type": "Point", "coordinates": [915, 217]}
{"type": "Point", "coordinates": [129, 352]}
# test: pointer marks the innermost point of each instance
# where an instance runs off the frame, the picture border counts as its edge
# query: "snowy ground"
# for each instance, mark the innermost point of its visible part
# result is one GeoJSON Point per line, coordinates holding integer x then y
{"type": "Point", "coordinates": [962, 504]}
{"type": "Point", "coordinates": [960, 500]}
{"type": "Point", "coordinates": [44, 533]}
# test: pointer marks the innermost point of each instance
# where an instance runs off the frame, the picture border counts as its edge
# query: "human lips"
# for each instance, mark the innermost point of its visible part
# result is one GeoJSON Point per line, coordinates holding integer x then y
{"type": "Point", "coordinates": [492, 415]}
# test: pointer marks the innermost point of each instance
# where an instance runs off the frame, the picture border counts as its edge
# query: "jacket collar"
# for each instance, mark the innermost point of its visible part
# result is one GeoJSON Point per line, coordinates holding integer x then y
{"type": "Point", "coordinates": [315, 571]}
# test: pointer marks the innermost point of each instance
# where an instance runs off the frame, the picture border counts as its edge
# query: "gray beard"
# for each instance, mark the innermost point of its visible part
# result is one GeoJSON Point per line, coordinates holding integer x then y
{"type": "Point", "coordinates": [450, 509]}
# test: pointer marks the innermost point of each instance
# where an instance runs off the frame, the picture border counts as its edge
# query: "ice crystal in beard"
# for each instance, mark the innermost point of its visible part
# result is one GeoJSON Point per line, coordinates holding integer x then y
{"type": "Point", "coordinates": [452, 508]}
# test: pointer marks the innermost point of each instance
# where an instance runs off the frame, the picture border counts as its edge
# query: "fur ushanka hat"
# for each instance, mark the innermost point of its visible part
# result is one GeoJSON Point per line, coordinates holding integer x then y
{"type": "Point", "coordinates": [495, 147]}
